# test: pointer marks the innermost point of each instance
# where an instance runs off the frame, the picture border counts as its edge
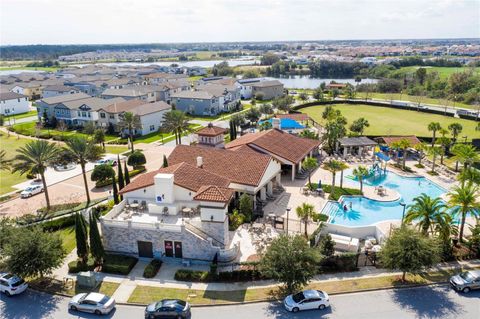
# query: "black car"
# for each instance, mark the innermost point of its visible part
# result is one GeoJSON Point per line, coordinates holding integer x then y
{"type": "Point", "coordinates": [168, 308]}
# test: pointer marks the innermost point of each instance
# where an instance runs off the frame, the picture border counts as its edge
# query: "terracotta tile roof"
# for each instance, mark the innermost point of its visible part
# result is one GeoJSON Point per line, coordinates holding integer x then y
{"type": "Point", "coordinates": [211, 130]}
{"type": "Point", "coordinates": [277, 143]}
{"type": "Point", "coordinates": [185, 175]}
{"type": "Point", "coordinates": [294, 116]}
{"type": "Point", "coordinates": [245, 168]}
{"type": "Point", "coordinates": [389, 140]}
{"type": "Point", "coordinates": [211, 193]}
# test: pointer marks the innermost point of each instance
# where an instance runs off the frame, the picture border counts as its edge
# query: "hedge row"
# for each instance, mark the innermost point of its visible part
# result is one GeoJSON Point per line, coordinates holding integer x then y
{"type": "Point", "coordinates": [152, 268]}
{"type": "Point", "coordinates": [225, 276]}
{"type": "Point", "coordinates": [339, 263]}
{"type": "Point", "coordinates": [108, 182]}
{"type": "Point", "coordinates": [338, 192]}
{"type": "Point", "coordinates": [112, 264]}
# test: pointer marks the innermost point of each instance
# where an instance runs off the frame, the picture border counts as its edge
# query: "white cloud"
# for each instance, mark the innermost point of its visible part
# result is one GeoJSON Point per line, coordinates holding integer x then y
{"type": "Point", "coordinates": [130, 21]}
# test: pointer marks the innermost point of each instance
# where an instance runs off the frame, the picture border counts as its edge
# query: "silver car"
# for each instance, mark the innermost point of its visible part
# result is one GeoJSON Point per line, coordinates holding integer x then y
{"type": "Point", "coordinates": [92, 302]}
{"type": "Point", "coordinates": [466, 281]}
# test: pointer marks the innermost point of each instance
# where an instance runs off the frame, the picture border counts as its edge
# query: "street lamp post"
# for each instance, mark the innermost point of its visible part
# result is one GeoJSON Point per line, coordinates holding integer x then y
{"type": "Point", "coordinates": [403, 213]}
{"type": "Point", "coordinates": [288, 215]}
{"type": "Point", "coordinates": [465, 137]}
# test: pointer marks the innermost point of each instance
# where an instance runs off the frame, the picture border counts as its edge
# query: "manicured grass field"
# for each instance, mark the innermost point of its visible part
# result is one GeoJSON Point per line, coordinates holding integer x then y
{"type": "Point", "coordinates": [412, 98]}
{"type": "Point", "coordinates": [68, 238]}
{"type": "Point", "coordinates": [443, 72]}
{"type": "Point", "coordinates": [47, 69]}
{"type": "Point", "coordinates": [20, 116]}
{"type": "Point", "coordinates": [10, 145]}
{"type": "Point", "coordinates": [115, 149]}
{"type": "Point", "coordinates": [30, 130]}
{"type": "Point", "coordinates": [390, 121]}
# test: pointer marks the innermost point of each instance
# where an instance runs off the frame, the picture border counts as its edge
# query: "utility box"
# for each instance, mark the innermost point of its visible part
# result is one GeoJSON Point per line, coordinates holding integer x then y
{"type": "Point", "coordinates": [86, 279]}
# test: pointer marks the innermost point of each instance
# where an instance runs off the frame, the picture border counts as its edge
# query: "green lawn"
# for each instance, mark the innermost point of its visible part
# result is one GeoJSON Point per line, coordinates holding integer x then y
{"type": "Point", "coordinates": [68, 238]}
{"type": "Point", "coordinates": [412, 98]}
{"type": "Point", "coordinates": [115, 149]}
{"type": "Point", "coordinates": [157, 136]}
{"type": "Point", "coordinates": [390, 121]}
{"type": "Point", "coordinates": [10, 145]}
{"type": "Point", "coordinates": [47, 69]}
{"type": "Point", "coordinates": [443, 72]}
{"type": "Point", "coordinates": [20, 116]}
{"type": "Point", "coordinates": [30, 130]}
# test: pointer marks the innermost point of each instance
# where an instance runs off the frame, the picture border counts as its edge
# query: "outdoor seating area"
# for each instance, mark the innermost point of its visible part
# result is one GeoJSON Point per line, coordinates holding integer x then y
{"type": "Point", "coordinates": [261, 234]}
{"type": "Point", "coordinates": [345, 243]}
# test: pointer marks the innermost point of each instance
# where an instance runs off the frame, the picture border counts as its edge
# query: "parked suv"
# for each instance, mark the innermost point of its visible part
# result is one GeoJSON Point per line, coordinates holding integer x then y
{"type": "Point", "coordinates": [11, 284]}
{"type": "Point", "coordinates": [466, 281]}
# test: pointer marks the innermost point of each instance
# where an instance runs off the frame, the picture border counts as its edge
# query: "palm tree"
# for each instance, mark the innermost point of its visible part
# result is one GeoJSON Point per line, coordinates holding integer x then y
{"type": "Point", "coordinates": [130, 122]}
{"type": "Point", "coordinates": [434, 151]}
{"type": "Point", "coordinates": [420, 147]}
{"type": "Point", "coordinates": [444, 142]}
{"type": "Point", "coordinates": [333, 166]}
{"type": "Point", "coordinates": [455, 129]}
{"type": "Point", "coordinates": [343, 166]}
{"type": "Point", "coordinates": [464, 154]}
{"type": "Point", "coordinates": [426, 211]}
{"type": "Point", "coordinates": [83, 151]}
{"type": "Point", "coordinates": [5, 163]}
{"type": "Point", "coordinates": [35, 156]}
{"type": "Point", "coordinates": [309, 164]}
{"type": "Point", "coordinates": [177, 123]}
{"type": "Point", "coordinates": [434, 127]}
{"type": "Point", "coordinates": [404, 144]}
{"type": "Point", "coordinates": [360, 172]}
{"type": "Point", "coordinates": [463, 200]}
{"type": "Point", "coordinates": [305, 212]}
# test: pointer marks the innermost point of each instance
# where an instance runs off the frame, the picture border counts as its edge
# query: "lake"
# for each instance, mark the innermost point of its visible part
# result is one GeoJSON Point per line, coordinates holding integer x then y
{"type": "Point", "coordinates": [306, 82]}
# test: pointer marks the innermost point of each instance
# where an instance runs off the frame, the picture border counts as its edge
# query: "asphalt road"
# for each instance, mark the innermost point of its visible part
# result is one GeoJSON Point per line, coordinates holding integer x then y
{"type": "Point", "coordinates": [425, 302]}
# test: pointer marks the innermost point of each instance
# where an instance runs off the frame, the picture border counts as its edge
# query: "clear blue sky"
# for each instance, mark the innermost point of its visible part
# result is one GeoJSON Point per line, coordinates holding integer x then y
{"type": "Point", "coordinates": [153, 21]}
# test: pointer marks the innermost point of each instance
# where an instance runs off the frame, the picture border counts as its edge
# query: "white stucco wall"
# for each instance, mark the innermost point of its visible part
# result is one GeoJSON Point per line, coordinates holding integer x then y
{"type": "Point", "coordinates": [14, 106]}
{"type": "Point", "coordinates": [152, 119]}
{"type": "Point", "coordinates": [272, 170]}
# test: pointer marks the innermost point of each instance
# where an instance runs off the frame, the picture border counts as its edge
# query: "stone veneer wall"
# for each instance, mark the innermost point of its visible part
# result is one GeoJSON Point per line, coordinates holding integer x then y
{"type": "Point", "coordinates": [217, 230]}
{"type": "Point", "coordinates": [123, 239]}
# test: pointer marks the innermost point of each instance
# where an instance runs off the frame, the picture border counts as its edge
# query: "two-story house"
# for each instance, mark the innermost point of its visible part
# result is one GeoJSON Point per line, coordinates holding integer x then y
{"type": "Point", "coordinates": [13, 103]}
{"type": "Point", "coordinates": [47, 105]}
{"type": "Point", "coordinates": [56, 90]}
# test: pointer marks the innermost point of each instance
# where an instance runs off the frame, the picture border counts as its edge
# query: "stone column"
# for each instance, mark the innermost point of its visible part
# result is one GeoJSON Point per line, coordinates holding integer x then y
{"type": "Point", "coordinates": [270, 188]}
{"type": "Point", "coordinates": [278, 179]}
{"type": "Point", "coordinates": [345, 151]}
{"type": "Point", "coordinates": [263, 193]}
{"type": "Point", "coordinates": [293, 172]}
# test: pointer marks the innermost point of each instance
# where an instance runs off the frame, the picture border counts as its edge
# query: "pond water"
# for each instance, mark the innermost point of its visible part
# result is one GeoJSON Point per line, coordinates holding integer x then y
{"type": "Point", "coordinates": [307, 82]}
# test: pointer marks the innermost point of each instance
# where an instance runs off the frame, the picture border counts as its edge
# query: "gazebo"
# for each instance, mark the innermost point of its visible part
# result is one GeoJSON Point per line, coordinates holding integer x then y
{"type": "Point", "coordinates": [354, 145]}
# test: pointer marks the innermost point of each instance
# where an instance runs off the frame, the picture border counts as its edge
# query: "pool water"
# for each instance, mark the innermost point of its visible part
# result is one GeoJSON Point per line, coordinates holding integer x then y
{"type": "Point", "coordinates": [365, 211]}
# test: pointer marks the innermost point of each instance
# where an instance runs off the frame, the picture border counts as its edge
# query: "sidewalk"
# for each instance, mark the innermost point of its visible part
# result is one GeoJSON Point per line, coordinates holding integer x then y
{"type": "Point", "coordinates": [164, 278]}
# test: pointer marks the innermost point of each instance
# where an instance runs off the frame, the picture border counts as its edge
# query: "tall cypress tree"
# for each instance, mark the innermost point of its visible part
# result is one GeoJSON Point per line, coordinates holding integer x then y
{"type": "Point", "coordinates": [232, 133]}
{"type": "Point", "coordinates": [165, 162]}
{"type": "Point", "coordinates": [81, 237]}
{"type": "Point", "coordinates": [96, 245]}
{"type": "Point", "coordinates": [115, 190]}
{"type": "Point", "coordinates": [127, 177]}
{"type": "Point", "coordinates": [121, 181]}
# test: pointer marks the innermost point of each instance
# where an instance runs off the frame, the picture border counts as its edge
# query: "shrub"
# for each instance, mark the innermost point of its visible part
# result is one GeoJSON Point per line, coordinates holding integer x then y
{"type": "Point", "coordinates": [108, 182]}
{"type": "Point", "coordinates": [136, 159]}
{"type": "Point", "coordinates": [118, 264]}
{"type": "Point", "coordinates": [338, 192]}
{"type": "Point", "coordinates": [59, 207]}
{"type": "Point", "coordinates": [191, 275]}
{"type": "Point", "coordinates": [152, 268]}
{"type": "Point", "coordinates": [235, 220]}
{"type": "Point", "coordinates": [58, 223]}
{"type": "Point", "coordinates": [327, 246]}
{"type": "Point", "coordinates": [339, 263]}
{"type": "Point", "coordinates": [320, 218]}
{"type": "Point", "coordinates": [78, 266]}
{"type": "Point", "coordinates": [240, 275]}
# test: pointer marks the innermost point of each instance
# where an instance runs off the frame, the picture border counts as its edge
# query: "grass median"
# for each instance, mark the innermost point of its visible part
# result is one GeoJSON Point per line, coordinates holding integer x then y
{"type": "Point", "coordinates": [148, 294]}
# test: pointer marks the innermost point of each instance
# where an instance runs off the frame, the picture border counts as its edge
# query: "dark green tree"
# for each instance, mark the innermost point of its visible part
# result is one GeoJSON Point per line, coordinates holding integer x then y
{"type": "Point", "coordinates": [96, 245]}
{"type": "Point", "coordinates": [102, 173]}
{"type": "Point", "coordinates": [33, 252]}
{"type": "Point", "coordinates": [410, 251]}
{"type": "Point", "coordinates": [136, 159]}
{"type": "Point", "coordinates": [127, 176]}
{"type": "Point", "coordinates": [246, 206]}
{"type": "Point", "coordinates": [121, 179]}
{"type": "Point", "coordinates": [81, 237]}
{"type": "Point", "coordinates": [165, 161]}
{"type": "Point", "coordinates": [291, 261]}
{"type": "Point", "coordinates": [326, 245]}
{"type": "Point", "coordinates": [116, 200]}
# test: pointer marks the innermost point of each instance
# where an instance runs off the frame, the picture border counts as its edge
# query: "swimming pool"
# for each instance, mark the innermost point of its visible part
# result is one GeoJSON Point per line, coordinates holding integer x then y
{"type": "Point", "coordinates": [365, 211]}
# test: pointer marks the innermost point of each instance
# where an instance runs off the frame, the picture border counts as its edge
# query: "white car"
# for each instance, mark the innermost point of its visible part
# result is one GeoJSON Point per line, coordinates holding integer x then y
{"type": "Point", "coordinates": [11, 284]}
{"type": "Point", "coordinates": [31, 190]}
{"type": "Point", "coordinates": [93, 302]}
{"type": "Point", "coordinates": [108, 161]}
{"type": "Point", "coordinates": [307, 300]}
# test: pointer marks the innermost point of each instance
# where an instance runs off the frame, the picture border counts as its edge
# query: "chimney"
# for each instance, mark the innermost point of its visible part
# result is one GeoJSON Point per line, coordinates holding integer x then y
{"type": "Point", "coordinates": [200, 162]}
{"type": "Point", "coordinates": [276, 123]}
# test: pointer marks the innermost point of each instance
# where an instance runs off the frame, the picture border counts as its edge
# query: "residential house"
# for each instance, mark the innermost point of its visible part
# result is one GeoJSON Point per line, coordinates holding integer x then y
{"type": "Point", "coordinates": [288, 149]}
{"type": "Point", "coordinates": [157, 78]}
{"type": "Point", "coordinates": [268, 89]}
{"type": "Point", "coordinates": [137, 93]}
{"type": "Point", "coordinates": [79, 112]}
{"type": "Point", "coordinates": [47, 105]}
{"type": "Point", "coordinates": [197, 102]}
{"type": "Point", "coordinates": [56, 90]}
{"type": "Point", "coordinates": [181, 211]}
{"type": "Point", "coordinates": [150, 114]}
{"type": "Point", "coordinates": [13, 103]}
{"type": "Point", "coordinates": [32, 90]}
{"type": "Point", "coordinates": [229, 95]}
